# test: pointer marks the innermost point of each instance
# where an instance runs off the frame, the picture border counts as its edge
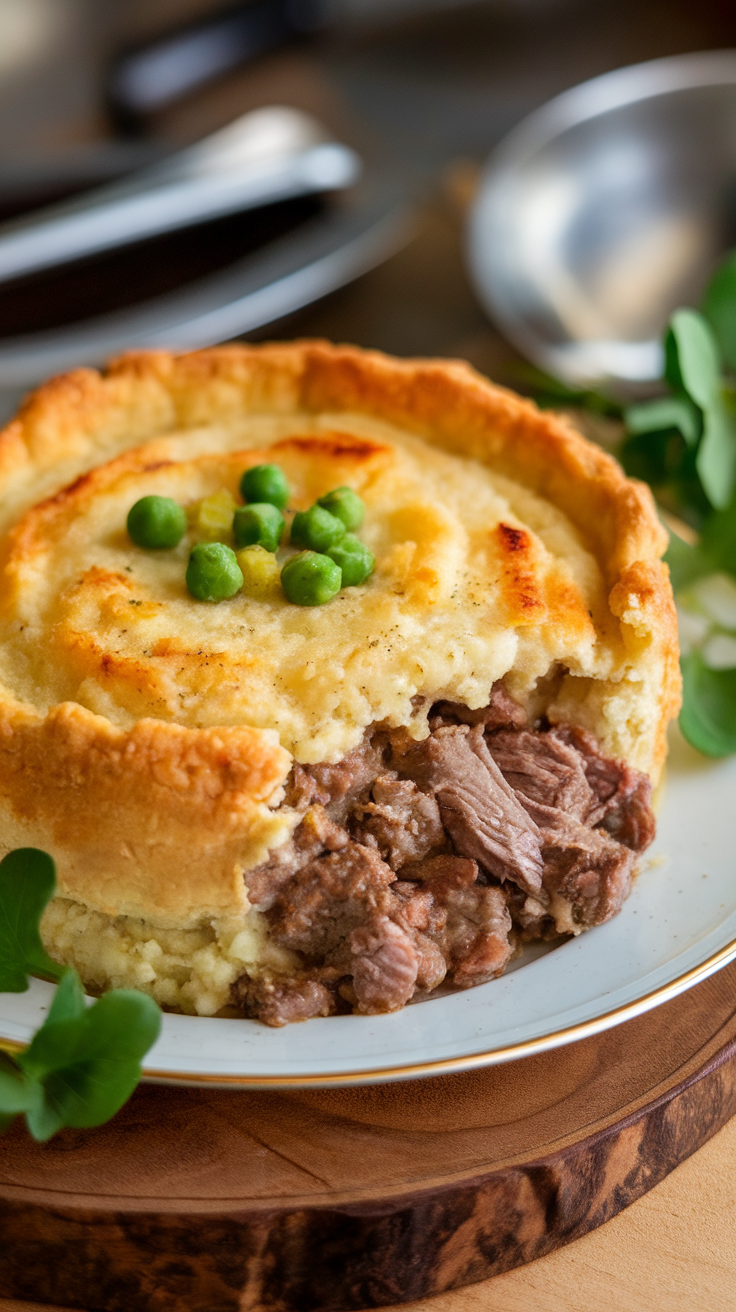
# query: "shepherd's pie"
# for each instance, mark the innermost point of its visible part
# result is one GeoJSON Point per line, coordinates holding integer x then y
{"type": "Point", "coordinates": [290, 810]}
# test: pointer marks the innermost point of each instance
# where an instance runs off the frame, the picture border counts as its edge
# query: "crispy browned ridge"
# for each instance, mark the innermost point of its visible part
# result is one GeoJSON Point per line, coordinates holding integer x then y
{"type": "Point", "coordinates": [77, 785]}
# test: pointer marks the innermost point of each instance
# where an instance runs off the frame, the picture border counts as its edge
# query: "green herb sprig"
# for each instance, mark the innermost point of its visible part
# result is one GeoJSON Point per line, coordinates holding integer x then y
{"type": "Point", "coordinates": [684, 444]}
{"type": "Point", "coordinates": [708, 715]}
{"type": "Point", "coordinates": [84, 1062]}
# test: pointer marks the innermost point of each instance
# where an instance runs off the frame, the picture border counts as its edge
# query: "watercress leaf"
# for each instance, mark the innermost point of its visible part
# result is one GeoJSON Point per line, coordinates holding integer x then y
{"type": "Point", "coordinates": [68, 1002]}
{"type": "Point", "coordinates": [27, 882]}
{"type": "Point", "coordinates": [716, 458]}
{"type": "Point", "coordinates": [89, 1065]}
{"type": "Point", "coordinates": [552, 393]}
{"type": "Point", "coordinates": [84, 1095]}
{"type": "Point", "coordinates": [719, 308]}
{"type": "Point", "coordinates": [686, 563]}
{"type": "Point", "coordinates": [45, 1120]}
{"type": "Point", "coordinates": [692, 359]}
{"type": "Point", "coordinates": [665, 413]}
{"type": "Point", "coordinates": [718, 539]}
{"type": "Point", "coordinates": [55, 1045]}
{"type": "Point", "coordinates": [122, 1025]}
{"type": "Point", "coordinates": [708, 715]}
{"type": "Point", "coordinates": [18, 1093]}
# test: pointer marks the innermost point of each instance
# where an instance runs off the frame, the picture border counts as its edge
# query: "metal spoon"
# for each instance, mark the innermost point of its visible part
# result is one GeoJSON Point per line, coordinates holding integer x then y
{"type": "Point", "coordinates": [604, 211]}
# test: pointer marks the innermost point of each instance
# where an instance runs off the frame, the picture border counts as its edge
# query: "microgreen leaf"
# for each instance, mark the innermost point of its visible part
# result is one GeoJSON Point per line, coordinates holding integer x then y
{"type": "Point", "coordinates": [708, 715]}
{"type": "Point", "coordinates": [665, 413]}
{"type": "Point", "coordinates": [718, 540]}
{"type": "Point", "coordinates": [27, 881]}
{"type": "Point", "coordinates": [716, 458]}
{"type": "Point", "coordinates": [693, 366]}
{"type": "Point", "coordinates": [719, 308]}
{"type": "Point", "coordinates": [88, 1062]}
{"type": "Point", "coordinates": [68, 1002]}
{"type": "Point", "coordinates": [17, 1093]}
{"type": "Point", "coordinates": [691, 356]}
{"type": "Point", "coordinates": [84, 1062]}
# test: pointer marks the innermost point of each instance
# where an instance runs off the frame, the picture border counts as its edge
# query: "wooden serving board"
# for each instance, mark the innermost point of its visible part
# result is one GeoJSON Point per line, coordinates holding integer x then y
{"type": "Point", "coordinates": [308, 1201]}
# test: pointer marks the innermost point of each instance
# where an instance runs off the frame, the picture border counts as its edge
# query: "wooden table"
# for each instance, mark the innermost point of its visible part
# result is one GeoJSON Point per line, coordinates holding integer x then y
{"type": "Point", "coordinates": [672, 1251]}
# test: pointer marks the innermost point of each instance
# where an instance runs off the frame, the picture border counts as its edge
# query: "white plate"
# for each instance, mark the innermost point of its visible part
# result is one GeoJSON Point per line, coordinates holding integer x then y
{"type": "Point", "coordinates": [678, 927]}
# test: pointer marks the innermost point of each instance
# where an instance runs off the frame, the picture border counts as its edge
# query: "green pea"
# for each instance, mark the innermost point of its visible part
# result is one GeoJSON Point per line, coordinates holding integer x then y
{"type": "Point", "coordinates": [310, 579]}
{"type": "Point", "coordinates": [258, 525]}
{"type": "Point", "coordinates": [354, 558]}
{"type": "Point", "coordinates": [316, 528]}
{"type": "Point", "coordinates": [213, 573]}
{"type": "Point", "coordinates": [346, 504]}
{"type": "Point", "coordinates": [156, 523]}
{"type": "Point", "coordinates": [265, 483]}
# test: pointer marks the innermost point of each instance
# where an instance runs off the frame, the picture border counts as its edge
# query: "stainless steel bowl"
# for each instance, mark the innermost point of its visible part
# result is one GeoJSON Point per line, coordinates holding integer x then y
{"type": "Point", "coordinates": [605, 210]}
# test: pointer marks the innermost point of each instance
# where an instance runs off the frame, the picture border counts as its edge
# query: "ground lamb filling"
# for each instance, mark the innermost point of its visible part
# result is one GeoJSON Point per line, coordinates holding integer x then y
{"type": "Point", "coordinates": [416, 863]}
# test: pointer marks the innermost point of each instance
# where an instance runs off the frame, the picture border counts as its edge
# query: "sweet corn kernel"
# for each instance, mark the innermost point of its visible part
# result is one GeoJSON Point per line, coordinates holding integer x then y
{"type": "Point", "coordinates": [212, 518]}
{"type": "Point", "coordinates": [261, 574]}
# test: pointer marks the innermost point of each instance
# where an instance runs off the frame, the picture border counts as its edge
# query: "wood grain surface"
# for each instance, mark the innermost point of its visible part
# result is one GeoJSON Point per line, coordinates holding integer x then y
{"type": "Point", "coordinates": [332, 1200]}
{"type": "Point", "coordinates": [672, 1251]}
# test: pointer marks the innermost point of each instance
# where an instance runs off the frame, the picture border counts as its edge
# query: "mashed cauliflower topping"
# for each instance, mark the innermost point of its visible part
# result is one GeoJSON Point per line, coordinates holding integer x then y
{"type": "Point", "coordinates": [475, 575]}
{"type": "Point", "coordinates": [189, 970]}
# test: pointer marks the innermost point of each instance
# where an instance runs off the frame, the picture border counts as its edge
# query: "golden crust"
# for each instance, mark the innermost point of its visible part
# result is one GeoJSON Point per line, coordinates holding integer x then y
{"type": "Point", "coordinates": [118, 808]}
{"type": "Point", "coordinates": [157, 818]}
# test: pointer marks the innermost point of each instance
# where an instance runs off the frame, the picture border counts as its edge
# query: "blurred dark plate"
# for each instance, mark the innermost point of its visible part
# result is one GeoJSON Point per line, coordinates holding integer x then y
{"type": "Point", "coordinates": [131, 275]}
{"type": "Point", "coordinates": [201, 285]}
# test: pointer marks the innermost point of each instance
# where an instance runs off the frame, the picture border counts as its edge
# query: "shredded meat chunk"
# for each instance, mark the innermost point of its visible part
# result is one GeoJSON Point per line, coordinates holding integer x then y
{"type": "Point", "coordinates": [403, 823]}
{"type": "Point", "coordinates": [474, 934]}
{"type": "Point", "coordinates": [631, 819]}
{"type": "Point", "coordinates": [376, 939]}
{"type": "Point", "coordinates": [587, 876]}
{"type": "Point", "coordinates": [501, 712]}
{"type": "Point", "coordinates": [418, 862]}
{"type": "Point", "coordinates": [336, 786]}
{"type": "Point", "coordinates": [480, 812]}
{"type": "Point", "coordinates": [624, 795]}
{"type": "Point", "coordinates": [320, 906]}
{"type": "Point", "coordinates": [546, 773]}
{"type": "Point", "coordinates": [280, 1002]}
{"type": "Point", "coordinates": [316, 833]}
{"type": "Point", "coordinates": [385, 965]}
